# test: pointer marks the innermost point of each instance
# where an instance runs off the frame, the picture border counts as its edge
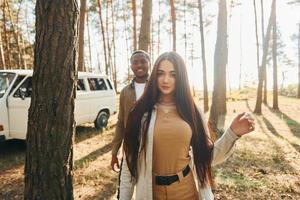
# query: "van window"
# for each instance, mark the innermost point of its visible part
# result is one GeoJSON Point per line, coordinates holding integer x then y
{"type": "Point", "coordinates": [109, 84]}
{"type": "Point", "coordinates": [5, 81]}
{"type": "Point", "coordinates": [80, 85]}
{"type": "Point", "coordinates": [16, 83]}
{"type": "Point", "coordinates": [97, 84]}
{"type": "Point", "coordinates": [25, 89]}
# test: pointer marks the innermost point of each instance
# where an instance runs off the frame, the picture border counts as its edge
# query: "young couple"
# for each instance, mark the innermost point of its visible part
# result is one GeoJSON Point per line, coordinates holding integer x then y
{"type": "Point", "coordinates": [168, 153]}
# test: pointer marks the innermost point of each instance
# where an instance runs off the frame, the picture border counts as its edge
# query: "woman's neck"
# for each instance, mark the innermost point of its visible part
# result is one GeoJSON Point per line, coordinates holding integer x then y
{"type": "Point", "coordinates": [166, 99]}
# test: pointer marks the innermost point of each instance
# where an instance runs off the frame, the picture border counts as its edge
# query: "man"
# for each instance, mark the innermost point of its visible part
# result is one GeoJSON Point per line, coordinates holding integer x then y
{"type": "Point", "coordinates": [140, 62]}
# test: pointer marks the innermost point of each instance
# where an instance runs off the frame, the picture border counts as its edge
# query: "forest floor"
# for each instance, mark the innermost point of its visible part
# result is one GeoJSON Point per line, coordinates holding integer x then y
{"type": "Point", "coordinates": [265, 165]}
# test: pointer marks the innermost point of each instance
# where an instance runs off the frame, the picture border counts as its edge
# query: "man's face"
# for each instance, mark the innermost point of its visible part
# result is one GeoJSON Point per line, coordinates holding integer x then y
{"type": "Point", "coordinates": [140, 65]}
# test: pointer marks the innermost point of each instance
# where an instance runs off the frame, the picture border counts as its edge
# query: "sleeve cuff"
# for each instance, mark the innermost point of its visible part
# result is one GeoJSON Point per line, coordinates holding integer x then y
{"type": "Point", "coordinates": [231, 134]}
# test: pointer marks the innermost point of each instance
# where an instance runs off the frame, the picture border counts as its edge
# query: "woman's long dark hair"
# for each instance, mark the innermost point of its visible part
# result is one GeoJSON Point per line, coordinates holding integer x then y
{"type": "Point", "coordinates": [135, 134]}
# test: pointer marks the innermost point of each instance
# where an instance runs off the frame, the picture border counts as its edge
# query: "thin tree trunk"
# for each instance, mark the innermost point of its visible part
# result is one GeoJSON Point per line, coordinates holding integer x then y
{"type": "Point", "coordinates": [274, 55]}
{"type": "Point", "coordinates": [89, 40]}
{"type": "Point", "coordinates": [108, 42]}
{"type": "Point", "coordinates": [158, 27]}
{"type": "Point", "coordinates": [261, 73]}
{"type": "Point", "coordinates": [144, 37]}
{"type": "Point", "coordinates": [173, 19]}
{"type": "Point", "coordinates": [152, 42]}
{"type": "Point", "coordinates": [184, 25]}
{"type": "Point", "coordinates": [51, 125]}
{"type": "Point", "coordinates": [205, 90]}
{"type": "Point", "coordinates": [218, 107]}
{"type": "Point", "coordinates": [23, 51]}
{"type": "Point", "coordinates": [262, 21]}
{"type": "Point", "coordinates": [6, 40]}
{"type": "Point", "coordinates": [265, 100]}
{"type": "Point", "coordinates": [241, 52]}
{"type": "Point", "coordinates": [2, 54]}
{"type": "Point", "coordinates": [133, 2]}
{"type": "Point", "coordinates": [127, 46]}
{"type": "Point", "coordinates": [114, 47]}
{"type": "Point", "coordinates": [192, 65]}
{"type": "Point", "coordinates": [21, 64]}
{"type": "Point", "coordinates": [103, 37]}
{"type": "Point", "coordinates": [256, 36]}
{"type": "Point", "coordinates": [81, 66]}
{"type": "Point", "coordinates": [298, 95]}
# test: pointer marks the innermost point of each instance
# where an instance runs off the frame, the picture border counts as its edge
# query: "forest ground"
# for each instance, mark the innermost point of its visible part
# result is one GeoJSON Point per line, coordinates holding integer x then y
{"type": "Point", "coordinates": [265, 164]}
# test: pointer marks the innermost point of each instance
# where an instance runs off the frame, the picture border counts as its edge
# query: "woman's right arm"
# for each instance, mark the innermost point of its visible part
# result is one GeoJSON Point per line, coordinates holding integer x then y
{"type": "Point", "coordinates": [127, 182]}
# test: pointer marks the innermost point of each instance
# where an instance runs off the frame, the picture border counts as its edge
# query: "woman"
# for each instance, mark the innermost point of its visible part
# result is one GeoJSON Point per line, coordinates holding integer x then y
{"type": "Point", "coordinates": [167, 148]}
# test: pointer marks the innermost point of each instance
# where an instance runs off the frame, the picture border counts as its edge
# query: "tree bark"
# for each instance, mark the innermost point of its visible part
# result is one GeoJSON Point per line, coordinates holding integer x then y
{"type": "Point", "coordinates": [51, 125]}
{"type": "Point", "coordinates": [205, 90]}
{"type": "Point", "coordinates": [173, 19]}
{"type": "Point", "coordinates": [144, 37]}
{"type": "Point", "coordinates": [274, 55]}
{"type": "Point", "coordinates": [81, 66]}
{"type": "Point", "coordinates": [133, 2]}
{"type": "Point", "coordinates": [262, 70]}
{"type": "Point", "coordinates": [218, 107]}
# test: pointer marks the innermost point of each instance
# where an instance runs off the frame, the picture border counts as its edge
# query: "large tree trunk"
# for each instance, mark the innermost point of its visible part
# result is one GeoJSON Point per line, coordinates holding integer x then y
{"type": "Point", "coordinates": [51, 125]}
{"type": "Point", "coordinates": [218, 107]}
{"type": "Point", "coordinates": [81, 66]}
{"type": "Point", "coordinates": [144, 37]}
{"type": "Point", "coordinates": [298, 95]}
{"type": "Point", "coordinates": [133, 2]}
{"type": "Point", "coordinates": [103, 37]}
{"type": "Point", "coordinates": [205, 90]}
{"type": "Point", "coordinates": [274, 55]}
{"type": "Point", "coordinates": [262, 69]}
{"type": "Point", "coordinates": [173, 19]}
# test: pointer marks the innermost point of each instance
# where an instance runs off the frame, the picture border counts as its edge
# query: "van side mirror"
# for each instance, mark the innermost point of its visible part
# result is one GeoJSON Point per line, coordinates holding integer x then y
{"type": "Point", "coordinates": [22, 92]}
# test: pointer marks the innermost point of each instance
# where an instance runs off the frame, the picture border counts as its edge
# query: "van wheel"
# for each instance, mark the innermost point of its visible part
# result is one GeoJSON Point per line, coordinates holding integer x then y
{"type": "Point", "coordinates": [101, 120]}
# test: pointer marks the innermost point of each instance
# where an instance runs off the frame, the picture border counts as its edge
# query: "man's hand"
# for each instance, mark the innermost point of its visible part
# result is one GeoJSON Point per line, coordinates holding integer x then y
{"type": "Point", "coordinates": [242, 124]}
{"type": "Point", "coordinates": [114, 162]}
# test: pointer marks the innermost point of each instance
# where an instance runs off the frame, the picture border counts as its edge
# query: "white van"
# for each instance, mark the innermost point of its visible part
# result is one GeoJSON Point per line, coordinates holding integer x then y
{"type": "Point", "coordinates": [95, 101]}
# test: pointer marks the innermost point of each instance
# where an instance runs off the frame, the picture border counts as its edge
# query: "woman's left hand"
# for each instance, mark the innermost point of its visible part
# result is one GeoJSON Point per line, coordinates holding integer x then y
{"type": "Point", "coordinates": [242, 124]}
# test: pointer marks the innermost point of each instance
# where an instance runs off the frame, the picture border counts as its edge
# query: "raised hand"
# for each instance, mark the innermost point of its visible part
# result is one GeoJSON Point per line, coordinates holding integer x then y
{"type": "Point", "coordinates": [242, 124]}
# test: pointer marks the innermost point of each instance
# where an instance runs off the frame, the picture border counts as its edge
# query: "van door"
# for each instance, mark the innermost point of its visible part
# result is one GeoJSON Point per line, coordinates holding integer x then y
{"type": "Point", "coordinates": [6, 80]}
{"type": "Point", "coordinates": [18, 105]}
{"type": "Point", "coordinates": [82, 103]}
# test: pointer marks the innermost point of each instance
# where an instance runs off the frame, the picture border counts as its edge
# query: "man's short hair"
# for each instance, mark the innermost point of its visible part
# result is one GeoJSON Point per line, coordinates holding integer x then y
{"type": "Point", "coordinates": [142, 52]}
